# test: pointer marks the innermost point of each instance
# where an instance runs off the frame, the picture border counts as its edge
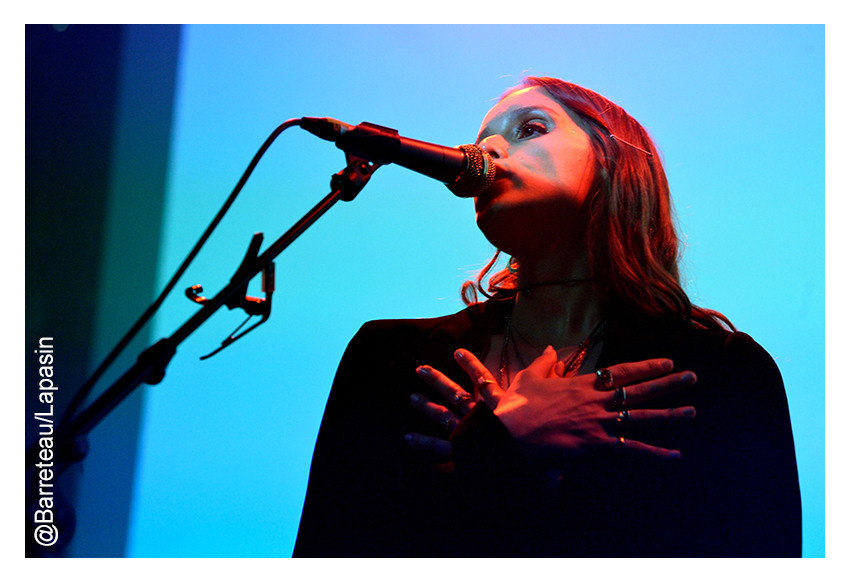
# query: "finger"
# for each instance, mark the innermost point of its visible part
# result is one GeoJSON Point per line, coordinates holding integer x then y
{"type": "Point", "coordinates": [544, 365]}
{"type": "Point", "coordinates": [654, 416]}
{"type": "Point", "coordinates": [427, 444]}
{"type": "Point", "coordinates": [439, 414]}
{"type": "Point", "coordinates": [651, 389]}
{"type": "Point", "coordinates": [487, 386]}
{"type": "Point", "coordinates": [456, 396]}
{"type": "Point", "coordinates": [645, 449]}
{"type": "Point", "coordinates": [559, 369]}
{"type": "Point", "coordinates": [632, 372]}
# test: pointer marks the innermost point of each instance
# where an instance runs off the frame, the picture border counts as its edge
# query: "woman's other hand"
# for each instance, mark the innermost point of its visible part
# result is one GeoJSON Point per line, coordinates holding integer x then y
{"type": "Point", "coordinates": [557, 417]}
{"type": "Point", "coordinates": [459, 404]}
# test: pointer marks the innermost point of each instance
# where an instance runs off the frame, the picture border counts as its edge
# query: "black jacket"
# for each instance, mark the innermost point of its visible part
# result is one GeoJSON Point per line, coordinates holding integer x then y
{"type": "Point", "coordinates": [734, 492]}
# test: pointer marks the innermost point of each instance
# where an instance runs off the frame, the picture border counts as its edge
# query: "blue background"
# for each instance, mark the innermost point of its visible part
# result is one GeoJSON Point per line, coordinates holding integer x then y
{"type": "Point", "coordinates": [737, 111]}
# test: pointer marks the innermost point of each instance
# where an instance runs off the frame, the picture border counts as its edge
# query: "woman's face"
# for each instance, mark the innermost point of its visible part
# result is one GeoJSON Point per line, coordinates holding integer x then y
{"type": "Point", "coordinates": [545, 170]}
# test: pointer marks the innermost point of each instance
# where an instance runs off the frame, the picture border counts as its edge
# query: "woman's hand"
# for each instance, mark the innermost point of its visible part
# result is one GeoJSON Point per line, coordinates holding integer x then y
{"type": "Point", "coordinates": [460, 403]}
{"type": "Point", "coordinates": [556, 417]}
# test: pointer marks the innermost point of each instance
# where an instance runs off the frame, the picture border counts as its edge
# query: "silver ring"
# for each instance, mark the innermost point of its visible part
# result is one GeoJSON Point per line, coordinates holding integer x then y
{"type": "Point", "coordinates": [461, 397]}
{"type": "Point", "coordinates": [623, 416]}
{"type": "Point", "coordinates": [607, 377]}
{"type": "Point", "coordinates": [620, 397]}
{"type": "Point", "coordinates": [447, 424]}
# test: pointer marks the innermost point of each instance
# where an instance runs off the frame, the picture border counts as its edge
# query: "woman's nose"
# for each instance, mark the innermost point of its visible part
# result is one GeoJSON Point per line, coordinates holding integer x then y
{"type": "Point", "coordinates": [495, 145]}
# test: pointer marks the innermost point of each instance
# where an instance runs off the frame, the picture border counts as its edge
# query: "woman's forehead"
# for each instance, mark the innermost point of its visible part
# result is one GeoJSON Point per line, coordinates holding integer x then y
{"type": "Point", "coordinates": [521, 97]}
{"type": "Point", "coordinates": [517, 103]}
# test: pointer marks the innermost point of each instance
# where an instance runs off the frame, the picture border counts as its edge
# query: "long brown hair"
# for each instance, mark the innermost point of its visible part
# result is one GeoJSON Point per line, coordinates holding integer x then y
{"type": "Point", "coordinates": [632, 241]}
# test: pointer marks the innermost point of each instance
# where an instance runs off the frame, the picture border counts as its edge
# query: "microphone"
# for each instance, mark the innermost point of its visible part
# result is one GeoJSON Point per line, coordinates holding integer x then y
{"type": "Point", "coordinates": [466, 170]}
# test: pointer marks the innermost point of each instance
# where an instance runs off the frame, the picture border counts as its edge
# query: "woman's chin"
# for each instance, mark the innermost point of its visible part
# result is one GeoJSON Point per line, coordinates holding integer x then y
{"type": "Point", "coordinates": [487, 219]}
{"type": "Point", "coordinates": [499, 229]}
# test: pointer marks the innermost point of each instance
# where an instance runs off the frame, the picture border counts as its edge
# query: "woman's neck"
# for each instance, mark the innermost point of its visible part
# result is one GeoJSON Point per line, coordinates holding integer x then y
{"type": "Point", "coordinates": [557, 304]}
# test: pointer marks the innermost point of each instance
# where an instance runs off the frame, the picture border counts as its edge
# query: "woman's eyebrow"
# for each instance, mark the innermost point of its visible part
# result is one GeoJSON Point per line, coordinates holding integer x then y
{"type": "Point", "coordinates": [514, 114]}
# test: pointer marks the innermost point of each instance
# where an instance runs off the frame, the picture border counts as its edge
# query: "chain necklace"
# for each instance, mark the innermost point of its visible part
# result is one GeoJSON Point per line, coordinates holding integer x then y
{"type": "Point", "coordinates": [527, 289]}
{"type": "Point", "coordinates": [571, 365]}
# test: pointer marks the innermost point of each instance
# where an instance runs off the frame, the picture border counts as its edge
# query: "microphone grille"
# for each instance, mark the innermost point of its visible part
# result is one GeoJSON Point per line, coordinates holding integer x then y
{"type": "Point", "coordinates": [478, 175]}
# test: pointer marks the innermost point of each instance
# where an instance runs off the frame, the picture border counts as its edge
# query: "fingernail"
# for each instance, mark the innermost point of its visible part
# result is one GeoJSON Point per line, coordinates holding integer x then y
{"type": "Point", "coordinates": [423, 371]}
{"type": "Point", "coordinates": [408, 438]}
{"type": "Point", "coordinates": [416, 398]}
{"type": "Point", "coordinates": [675, 455]}
{"type": "Point", "coordinates": [690, 412]}
{"type": "Point", "coordinates": [460, 354]}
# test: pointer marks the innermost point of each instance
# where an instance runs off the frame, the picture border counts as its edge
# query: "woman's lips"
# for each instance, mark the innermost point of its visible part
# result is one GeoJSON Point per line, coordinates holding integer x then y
{"type": "Point", "coordinates": [501, 181]}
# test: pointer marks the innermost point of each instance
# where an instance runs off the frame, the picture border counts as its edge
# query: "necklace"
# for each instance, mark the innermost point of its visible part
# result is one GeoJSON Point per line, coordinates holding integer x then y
{"type": "Point", "coordinates": [526, 289]}
{"type": "Point", "coordinates": [571, 365]}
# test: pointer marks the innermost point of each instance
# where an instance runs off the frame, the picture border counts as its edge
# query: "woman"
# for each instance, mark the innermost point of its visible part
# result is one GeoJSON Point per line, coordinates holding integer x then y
{"type": "Point", "coordinates": [586, 408]}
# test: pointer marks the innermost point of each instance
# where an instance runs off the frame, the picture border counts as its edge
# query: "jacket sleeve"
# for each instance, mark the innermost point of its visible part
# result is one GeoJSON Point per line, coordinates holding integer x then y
{"type": "Point", "coordinates": [753, 505]}
{"type": "Point", "coordinates": [337, 518]}
{"type": "Point", "coordinates": [767, 509]}
{"type": "Point", "coordinates": [369, 493]}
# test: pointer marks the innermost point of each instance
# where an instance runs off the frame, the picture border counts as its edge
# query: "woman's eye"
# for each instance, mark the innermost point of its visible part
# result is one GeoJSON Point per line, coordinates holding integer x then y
{"type": "Point", "coordinates": [530, 129]}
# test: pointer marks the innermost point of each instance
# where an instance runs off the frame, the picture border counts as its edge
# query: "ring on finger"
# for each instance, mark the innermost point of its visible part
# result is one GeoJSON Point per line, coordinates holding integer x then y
{"type": "Point", "coordinates": [461, 397]}
{"type": "Point", "coordinates": [623, 417]}
{"type": "Point", "coordinates": [482, 380]}
{"type": "Point", "coordinates": [607, 377]}
{"type": "Point", "coordinates": [447, 422]}
{"type": "Point", "coordinates": [620, 397]}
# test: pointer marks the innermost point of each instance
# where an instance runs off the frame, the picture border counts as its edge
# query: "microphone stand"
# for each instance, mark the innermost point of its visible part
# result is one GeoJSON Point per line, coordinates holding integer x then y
{"type": "Point", "coordinates": [71, 436]}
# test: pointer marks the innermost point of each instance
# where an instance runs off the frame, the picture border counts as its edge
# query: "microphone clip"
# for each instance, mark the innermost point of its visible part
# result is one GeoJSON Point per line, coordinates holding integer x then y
{"type": "Point", "coordinates": [253, 306]}
{"type": "Point", "coordinates": [376, 143]}
{"type": "Point", "coordinates": [349, 181]}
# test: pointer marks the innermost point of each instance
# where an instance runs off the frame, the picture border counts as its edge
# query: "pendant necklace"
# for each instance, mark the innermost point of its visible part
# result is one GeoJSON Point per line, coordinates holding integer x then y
{"type": "Point", "coordinates": [571, 365]}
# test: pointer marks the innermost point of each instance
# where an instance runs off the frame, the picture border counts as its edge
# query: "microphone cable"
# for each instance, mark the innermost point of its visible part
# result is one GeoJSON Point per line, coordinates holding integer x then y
{"type": "Point", "coordinates": [84, 391]}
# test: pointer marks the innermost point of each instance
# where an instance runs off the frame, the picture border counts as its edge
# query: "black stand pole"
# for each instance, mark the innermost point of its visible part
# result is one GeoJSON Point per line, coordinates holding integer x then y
{"type": "Point", "coordinates": [71, 436]}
